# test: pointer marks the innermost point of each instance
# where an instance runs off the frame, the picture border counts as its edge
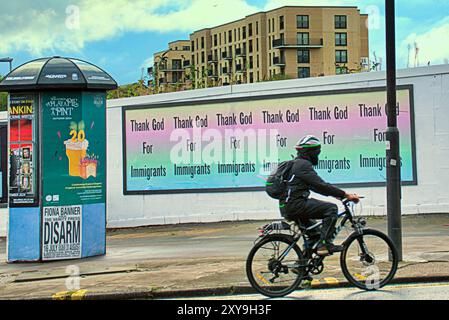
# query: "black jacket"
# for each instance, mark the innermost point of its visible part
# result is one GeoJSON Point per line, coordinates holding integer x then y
{"type": "Point", "coordinates": [303, 179]}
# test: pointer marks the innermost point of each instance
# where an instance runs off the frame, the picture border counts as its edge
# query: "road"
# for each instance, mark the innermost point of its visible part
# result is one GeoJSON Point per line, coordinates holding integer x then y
{"type": "Point", "coordinates": [424, 291]}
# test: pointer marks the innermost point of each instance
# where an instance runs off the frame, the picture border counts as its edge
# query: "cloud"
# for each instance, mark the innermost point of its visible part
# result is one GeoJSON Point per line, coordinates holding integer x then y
{"type": "Point", "coordinates": [432, 45]}
{"type": "Point", "coordinates": [68, 26]}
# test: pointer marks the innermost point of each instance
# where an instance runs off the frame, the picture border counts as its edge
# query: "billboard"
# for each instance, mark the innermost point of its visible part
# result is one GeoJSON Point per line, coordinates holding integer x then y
{"type": "Point", "coordinates": [23, 187]}
{"type": "Point", "coordinates": [73, 165]}
{"type": "Point", "coordinates": [234, 144]}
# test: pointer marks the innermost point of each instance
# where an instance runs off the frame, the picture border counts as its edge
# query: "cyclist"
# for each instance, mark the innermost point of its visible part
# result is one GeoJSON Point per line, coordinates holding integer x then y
{"type": "Point", "coordinates": [297, 206]}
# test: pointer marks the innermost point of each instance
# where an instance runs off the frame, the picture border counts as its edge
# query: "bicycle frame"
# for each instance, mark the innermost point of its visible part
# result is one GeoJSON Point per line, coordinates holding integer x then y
{"type": "Point", "coordinates": [347, 216]}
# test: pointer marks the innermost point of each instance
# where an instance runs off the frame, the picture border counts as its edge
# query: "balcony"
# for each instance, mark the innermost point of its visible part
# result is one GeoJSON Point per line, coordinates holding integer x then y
{"type": "Point", "coordinates": [295, 44]}
{"type": "Point", "coordinates": [240, 52]}
{"type": "Point", "coordinates": [212, 59]}
{"type": "Point", "coordinates": [173, 68]}
{"type": "Point", "coordinates": [278, 61]}
{"type": "Point", "coordinates": [226, 56]}
{"type": "Point", "coordinates": [212, 74]}
{"type": "Point", "coordinates": [240, 68]}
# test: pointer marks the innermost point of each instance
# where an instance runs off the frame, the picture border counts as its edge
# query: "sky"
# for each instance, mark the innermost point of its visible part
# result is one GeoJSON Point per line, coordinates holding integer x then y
{"type": "Point", "coordinates": [121, 36]}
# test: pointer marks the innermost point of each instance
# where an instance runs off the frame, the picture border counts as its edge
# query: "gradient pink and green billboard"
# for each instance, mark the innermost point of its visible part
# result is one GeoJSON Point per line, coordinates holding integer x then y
{"type": "Point", "coordinates": [234, 144]}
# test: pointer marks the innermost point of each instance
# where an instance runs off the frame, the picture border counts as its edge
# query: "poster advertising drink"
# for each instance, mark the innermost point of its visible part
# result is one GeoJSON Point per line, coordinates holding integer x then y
{"type": "Point", "coordinates": [73, 148]}
{"type": "Point", "coordinates": [62, 232]}
{"type": "Point", "coordinates": [233, 145]}
{"type": "Point", "coordinates": [22, 147]}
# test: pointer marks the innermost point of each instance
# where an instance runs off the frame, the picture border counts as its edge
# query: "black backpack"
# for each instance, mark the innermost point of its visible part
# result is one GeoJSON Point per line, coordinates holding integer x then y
{"type": "Point", "coordinates": [276, 185]}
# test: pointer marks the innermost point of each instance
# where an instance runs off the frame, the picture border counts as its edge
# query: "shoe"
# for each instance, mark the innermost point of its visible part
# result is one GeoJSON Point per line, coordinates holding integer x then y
{"type": "Point", "coordinates": [325, 250]}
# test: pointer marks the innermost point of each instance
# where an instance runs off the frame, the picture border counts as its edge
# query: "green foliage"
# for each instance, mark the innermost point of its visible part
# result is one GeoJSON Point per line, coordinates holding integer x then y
{"type": "Point", "coordinates": [130, 90]}
{"type": "Point", "coordinates": [279, 76]}
{"type": "Point", "coordinates": [3, 98]}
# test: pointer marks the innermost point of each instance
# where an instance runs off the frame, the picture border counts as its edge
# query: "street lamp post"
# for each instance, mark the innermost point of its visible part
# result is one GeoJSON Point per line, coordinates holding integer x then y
{"type": "Point", "coordinates": [8, 60]}
{"type": "Point", "coordinates": [393, 152]}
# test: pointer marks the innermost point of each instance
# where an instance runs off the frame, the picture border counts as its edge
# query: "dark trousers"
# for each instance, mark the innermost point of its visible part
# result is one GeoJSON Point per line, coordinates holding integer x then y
{"type": "Point", "coordinates": [316, 209]}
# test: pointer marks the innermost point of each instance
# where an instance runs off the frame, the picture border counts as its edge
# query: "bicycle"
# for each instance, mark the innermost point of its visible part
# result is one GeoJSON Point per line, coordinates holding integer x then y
{"type": "Point", "coordinates": [369, 260]}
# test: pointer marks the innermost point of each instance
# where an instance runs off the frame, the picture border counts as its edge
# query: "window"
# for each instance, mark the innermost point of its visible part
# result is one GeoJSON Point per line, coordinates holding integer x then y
{"type": "Point", "coordinates": [341, 70]}
{"type": "Point", "coordinates": [215, 40]}
{"type": "Point", "coordinates": [250, 30]}
{"type": "Point", "coordinates": [185, 48]}
{"type": "Point", "coordinates": [250, 46]}
{"type": "Point", "coordinates": [202, 57]}
{"type": "Point", "coordinates": [244, 32]}
{"type": "Point", "coordinates": [230, 36]}
{"type": "Point", "coordinates": [196, 44]}
{"type": "Point", "coordinates": [257, 27]}
{"type": "Point", "coordinates": [341, 56]}
{"type": "Point", "coordinates": [303, 72]}
{"type": "Point", "coordinates": [303, 56]}
{"type": "Point", "coordinates": [341, 22]}
{"type": "Point", "coordinates": [202, 42]}
{"type": "Point", "coordinates": [177, 64]}
{"type": "Point", "coordinates": [303, 38]}
{"type": "Point", "coordinates": [257, 44]}
{"type": "Point", "coordinates": [192, 47]}
{"type": "Point", "coordinates": [302, 22]}
{"type": "Point", "coordinates": [281, 22]}
{"type": "Point", "coordinates": [341, 39]}
{"type": "Point", "coordinates": [272, 25]}
{"type": "Point", "coordinates": [269, 26]}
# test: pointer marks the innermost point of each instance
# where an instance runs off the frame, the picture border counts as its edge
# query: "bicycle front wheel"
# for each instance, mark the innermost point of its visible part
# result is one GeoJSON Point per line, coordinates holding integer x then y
{"type": "Point", "coordinates": [369, 260]}
{"type": "Point", "coordinates": [274, 266]}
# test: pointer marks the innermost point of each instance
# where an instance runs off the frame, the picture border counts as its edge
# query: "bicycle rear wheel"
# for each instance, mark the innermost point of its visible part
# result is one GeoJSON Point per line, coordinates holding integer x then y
{"type": "Point", "coordinates": [269, 273]}
{"type": "Point", "coordinates": [369, 260]}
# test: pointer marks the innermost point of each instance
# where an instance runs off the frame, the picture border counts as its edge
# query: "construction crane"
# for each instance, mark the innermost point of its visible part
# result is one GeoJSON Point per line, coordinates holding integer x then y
{"type": "Point", "coordinates": [416, 55]}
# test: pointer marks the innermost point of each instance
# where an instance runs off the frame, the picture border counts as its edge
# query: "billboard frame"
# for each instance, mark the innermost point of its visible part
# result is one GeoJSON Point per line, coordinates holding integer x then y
{"type": "Point", "coordinates": [200, 103]}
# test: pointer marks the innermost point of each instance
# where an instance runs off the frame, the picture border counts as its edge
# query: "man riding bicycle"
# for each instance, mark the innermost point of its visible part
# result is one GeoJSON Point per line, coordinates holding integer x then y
{"type": "Point", "coordinates": [297, 206]}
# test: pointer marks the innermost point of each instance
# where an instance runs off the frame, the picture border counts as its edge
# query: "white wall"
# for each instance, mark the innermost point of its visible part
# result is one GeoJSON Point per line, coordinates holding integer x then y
{"type": "Point", "coordinates": [431, 97]}
{"type": "Point", "coordinates": [431, 93]}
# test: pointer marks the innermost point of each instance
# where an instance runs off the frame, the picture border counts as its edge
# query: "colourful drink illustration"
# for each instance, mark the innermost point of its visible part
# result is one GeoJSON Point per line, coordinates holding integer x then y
{"type": "Point", "coordinates": [75, 151]}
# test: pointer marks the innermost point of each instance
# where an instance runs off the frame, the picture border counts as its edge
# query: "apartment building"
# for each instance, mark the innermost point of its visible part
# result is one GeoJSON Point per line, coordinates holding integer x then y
{"type": "Point", "coordinates": [169, 69]}
{"type": "Point", "coordinates": [288, 42]}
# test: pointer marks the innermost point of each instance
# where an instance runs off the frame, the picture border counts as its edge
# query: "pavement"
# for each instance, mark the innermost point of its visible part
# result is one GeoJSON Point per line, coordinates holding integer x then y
{"type": "Point", "coordinates": [197, 260]}
{"type": "Point", "coordinates": [416, 291]}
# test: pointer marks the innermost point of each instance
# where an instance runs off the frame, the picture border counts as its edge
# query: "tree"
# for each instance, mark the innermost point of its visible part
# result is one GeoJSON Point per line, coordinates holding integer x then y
{"type": "Point", "coordinates": [130, 90]}
{"type": "Point", "coordinates": [3, 98]}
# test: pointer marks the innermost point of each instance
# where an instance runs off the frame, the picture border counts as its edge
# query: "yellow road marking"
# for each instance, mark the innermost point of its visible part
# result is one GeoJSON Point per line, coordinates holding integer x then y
{"type": "Point", "coordinates": [70, 295]}
{"type": "Point", "coordinates": [331, 281]}
{"type": "Point", "coordinates": [315, 282]}
{"type": "Point", "coordinates": [79, 295]}
{"type": "Point", "coordinates": [360, 277]}
{"type": "Point", "coordinates": [63, 295]}
{"type": "Point", "coordinates": [261, 278]}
